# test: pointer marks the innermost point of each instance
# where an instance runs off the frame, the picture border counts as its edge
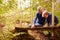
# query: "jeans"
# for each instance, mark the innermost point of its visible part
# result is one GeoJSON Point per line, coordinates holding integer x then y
{"type": "Point", "coordinates": [36, 25]}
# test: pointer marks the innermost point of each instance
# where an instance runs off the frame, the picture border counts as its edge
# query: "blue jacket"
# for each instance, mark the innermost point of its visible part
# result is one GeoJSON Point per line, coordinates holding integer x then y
{"type": "Point", "coordinates": [49, 20]}
{"type": "Point", "coordinates": [39, 19]}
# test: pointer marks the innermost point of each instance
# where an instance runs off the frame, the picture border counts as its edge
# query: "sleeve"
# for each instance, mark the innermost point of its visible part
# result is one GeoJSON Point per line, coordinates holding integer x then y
{"type": "Point", "coordinates": [36, 19]}
{"type": "Point", "coordinates": [55, 20]}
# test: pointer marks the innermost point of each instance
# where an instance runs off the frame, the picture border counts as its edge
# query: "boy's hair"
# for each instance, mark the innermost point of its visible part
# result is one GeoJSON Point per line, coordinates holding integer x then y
{"type": "Point", "coordinates": [44, 13]}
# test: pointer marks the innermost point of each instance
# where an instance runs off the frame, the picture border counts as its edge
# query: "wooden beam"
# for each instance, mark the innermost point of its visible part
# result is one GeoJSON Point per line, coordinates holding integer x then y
{"type": "Point", "coordinates": [52, 13]}
{"type": "Point", "coordinates": [39, 28]}
{"type": "Point", "coordinates": [52, 17]}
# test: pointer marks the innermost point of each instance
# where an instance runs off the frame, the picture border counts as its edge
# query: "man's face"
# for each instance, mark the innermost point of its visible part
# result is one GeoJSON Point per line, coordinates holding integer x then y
{"type": "Point", "coordinates": [40, 10]}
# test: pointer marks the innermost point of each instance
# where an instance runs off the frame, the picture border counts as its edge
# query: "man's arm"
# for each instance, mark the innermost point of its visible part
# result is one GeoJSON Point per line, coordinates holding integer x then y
{"type": "Point", "coordinates": [36, 19]}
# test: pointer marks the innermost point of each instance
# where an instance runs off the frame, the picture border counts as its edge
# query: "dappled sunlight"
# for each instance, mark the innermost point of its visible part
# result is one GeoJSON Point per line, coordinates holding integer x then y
{"type": "Point", "coordinates": [23, 4]}
{"type": "Point", "coordinates": [20, 14]}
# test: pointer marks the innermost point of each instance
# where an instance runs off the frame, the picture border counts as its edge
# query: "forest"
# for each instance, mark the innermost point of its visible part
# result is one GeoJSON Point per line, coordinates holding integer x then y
{"type": "Point", "coordinates": [20, 13]}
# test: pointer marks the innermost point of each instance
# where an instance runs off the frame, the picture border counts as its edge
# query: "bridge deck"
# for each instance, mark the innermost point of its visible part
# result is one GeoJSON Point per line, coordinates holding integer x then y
{"type": "Point", "coordinates": [40, 28]}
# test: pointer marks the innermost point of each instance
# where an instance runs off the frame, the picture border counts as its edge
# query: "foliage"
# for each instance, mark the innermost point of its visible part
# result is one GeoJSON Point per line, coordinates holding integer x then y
{"type": "Point", "coordinates": [9, 13]}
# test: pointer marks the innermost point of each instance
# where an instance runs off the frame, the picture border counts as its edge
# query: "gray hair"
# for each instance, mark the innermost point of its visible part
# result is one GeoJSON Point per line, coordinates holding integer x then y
{"type": "Point", "coordinates": [39, 7]}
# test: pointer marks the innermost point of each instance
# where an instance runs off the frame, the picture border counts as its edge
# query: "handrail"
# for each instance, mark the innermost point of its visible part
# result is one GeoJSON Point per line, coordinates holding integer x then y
{"type": "Point", "coordinates": [39, 28]}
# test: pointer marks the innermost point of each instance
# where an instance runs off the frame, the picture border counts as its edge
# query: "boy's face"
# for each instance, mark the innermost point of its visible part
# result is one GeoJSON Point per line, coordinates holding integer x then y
{"type": "Point", "coordinates": [46, 15]}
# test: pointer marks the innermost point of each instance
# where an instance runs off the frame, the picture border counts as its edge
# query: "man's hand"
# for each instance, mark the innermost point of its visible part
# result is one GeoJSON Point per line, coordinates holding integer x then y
{"type": "Point", "coordinates": [33, 26]}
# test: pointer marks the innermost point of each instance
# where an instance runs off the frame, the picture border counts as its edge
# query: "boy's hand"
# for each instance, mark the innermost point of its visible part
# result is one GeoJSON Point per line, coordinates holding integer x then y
{"type": "Point", "coordinates": [51, 26]}
{"type": "Point", "coordinates": [46, 25]}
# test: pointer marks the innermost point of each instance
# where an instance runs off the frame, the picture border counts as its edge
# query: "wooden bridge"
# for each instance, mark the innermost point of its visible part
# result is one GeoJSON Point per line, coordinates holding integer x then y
{"type": "Point", "coordinates": [53, 30]}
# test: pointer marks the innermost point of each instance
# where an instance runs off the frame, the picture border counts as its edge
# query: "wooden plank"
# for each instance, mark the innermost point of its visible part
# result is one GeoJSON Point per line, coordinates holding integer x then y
{"type": "Point", "coordinates": [40, 28]}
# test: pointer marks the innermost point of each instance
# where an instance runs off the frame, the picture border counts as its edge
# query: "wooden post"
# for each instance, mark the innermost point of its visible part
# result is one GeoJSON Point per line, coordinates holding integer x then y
{"type": "Point", "coordinates": [52, 33]}
{"type": "Point", "coordinates": [52, 13]}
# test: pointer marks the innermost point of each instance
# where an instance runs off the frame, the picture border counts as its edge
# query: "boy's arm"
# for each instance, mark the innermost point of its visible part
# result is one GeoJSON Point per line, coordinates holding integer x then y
{"type": "Point", "coordinates": [55, 20]}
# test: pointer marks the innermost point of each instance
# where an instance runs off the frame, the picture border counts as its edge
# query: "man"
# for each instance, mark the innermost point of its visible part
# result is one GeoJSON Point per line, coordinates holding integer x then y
{"type": "Point", "coordinates": [48, 17]}
{"type": "Point", "coordinates": [39, 20]}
